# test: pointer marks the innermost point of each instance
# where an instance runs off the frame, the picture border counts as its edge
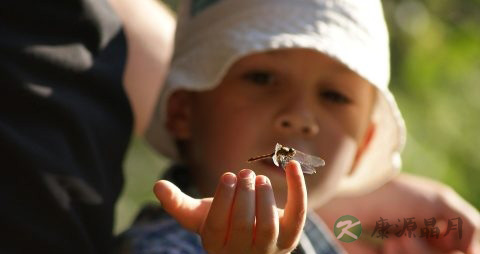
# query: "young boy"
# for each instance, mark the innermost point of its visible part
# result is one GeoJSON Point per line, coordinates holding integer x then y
{"type": "Point", "coordinates": [247, 74]}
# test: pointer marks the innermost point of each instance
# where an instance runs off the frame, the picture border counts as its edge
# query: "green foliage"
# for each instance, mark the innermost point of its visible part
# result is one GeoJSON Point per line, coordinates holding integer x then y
{"type": "Point", "coordinates": [142, 168]}
{"type": "Point", "coordinates": [435, 78]}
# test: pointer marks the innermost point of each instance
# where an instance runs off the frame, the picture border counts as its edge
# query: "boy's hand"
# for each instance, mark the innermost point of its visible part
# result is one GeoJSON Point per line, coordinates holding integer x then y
{"type": "Point", "coordinates": [242, 217]}
{"type": "Point", "coordinates": [409, 196]}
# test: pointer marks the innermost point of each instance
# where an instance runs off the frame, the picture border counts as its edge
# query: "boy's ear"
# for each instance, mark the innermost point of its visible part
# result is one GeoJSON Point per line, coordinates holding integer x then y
{"type": "Point", "coordinates": [179, 111]}
{"type": "Point", "coordinates": [363, 145]}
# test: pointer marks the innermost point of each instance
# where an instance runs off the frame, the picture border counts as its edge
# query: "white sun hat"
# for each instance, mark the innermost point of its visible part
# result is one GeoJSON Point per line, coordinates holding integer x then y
{"type": "Point", "coordinates": [213, 34]}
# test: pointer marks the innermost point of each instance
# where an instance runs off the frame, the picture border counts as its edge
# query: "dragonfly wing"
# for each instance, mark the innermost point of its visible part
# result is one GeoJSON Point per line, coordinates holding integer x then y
{"type": "Point", "coordinates": [307, 169]}
{"type": "Point", "coordinates": [308, 160]}
{"type": "Point", "coordinates": [314, 161]}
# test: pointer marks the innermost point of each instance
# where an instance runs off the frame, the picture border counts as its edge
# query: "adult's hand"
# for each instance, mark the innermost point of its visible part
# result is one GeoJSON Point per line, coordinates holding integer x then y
{"type": "Point", "coordinates": [408, 196]}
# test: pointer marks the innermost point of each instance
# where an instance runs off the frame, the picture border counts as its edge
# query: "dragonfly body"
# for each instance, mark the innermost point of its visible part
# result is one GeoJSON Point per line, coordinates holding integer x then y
{"type": "Point", "coordinates": [282, 155]}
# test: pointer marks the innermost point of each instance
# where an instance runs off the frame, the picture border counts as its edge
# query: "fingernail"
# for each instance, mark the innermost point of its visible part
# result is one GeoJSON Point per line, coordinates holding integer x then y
{"type": "Point", "coordinates": [245, 173]}
{"type": "Point", "coordinates": [229, 179]}
{"type": "Point", "coordinates": [262, 180]}
{"type": "Point", "coordinates": [294, 164]}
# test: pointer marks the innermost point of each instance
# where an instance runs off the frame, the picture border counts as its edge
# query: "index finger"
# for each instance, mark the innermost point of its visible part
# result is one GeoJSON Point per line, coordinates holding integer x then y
{"type": "Point", "coordinates": [293, 219]}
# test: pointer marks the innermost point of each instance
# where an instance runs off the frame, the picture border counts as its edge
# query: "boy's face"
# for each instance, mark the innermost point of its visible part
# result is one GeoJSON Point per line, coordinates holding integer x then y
{"type": "Point", "coordinates": [296, 97]}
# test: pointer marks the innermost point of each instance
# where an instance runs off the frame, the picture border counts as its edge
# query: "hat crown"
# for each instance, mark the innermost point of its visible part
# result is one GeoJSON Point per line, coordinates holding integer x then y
{"type": "Point", "coordinates": [311, 21]}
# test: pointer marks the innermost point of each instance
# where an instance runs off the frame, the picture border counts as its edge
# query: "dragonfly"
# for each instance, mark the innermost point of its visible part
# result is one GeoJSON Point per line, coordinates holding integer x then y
{"type": "Point", "coordinates": [282, 155]}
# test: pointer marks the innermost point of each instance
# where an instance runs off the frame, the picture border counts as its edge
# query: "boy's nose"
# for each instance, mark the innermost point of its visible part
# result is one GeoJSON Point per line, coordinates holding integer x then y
{"type": "Point", "coordinates": [297, 123]}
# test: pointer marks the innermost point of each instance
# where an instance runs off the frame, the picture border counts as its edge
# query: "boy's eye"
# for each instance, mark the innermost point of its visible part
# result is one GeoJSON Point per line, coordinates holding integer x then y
{"type": "Point", "coordinates": [335, 97]}
{"type": "Point", "coordinates": [259, 77]}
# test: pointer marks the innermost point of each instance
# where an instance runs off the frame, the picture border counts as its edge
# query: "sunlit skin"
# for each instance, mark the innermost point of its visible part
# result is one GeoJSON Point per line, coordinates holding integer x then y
{"type": "Point", "coordinates": [297, 97]}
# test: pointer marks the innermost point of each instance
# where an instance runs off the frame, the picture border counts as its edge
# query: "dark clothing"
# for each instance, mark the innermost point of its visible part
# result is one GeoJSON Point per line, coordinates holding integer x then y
{"type": "Point", "coordinates": [65, 124]}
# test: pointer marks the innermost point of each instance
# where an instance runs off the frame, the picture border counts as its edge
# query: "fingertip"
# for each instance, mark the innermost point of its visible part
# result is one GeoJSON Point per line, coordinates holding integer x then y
{"type": "Point", "coordinates": [262, 180]}
{"type": "Point", "coordinates": [294, 173]}
{"type": "Point", "coordinates": [229, 179]}
{"type": "Point", "coordinates": [246, 173]}
{"type": "Point", "coordinates": [294, 167]}
{"type": "Point", "coordinates": [163, 189]}
{"type": "Point", "coordinates": [158, 187]}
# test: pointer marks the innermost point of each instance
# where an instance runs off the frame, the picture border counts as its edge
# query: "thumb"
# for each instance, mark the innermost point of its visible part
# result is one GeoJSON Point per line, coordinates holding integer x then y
{"type": "Point", "coordinates": [188, 211]}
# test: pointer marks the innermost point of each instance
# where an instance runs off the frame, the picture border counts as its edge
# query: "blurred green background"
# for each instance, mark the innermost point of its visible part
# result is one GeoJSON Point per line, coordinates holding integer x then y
{"type": "Point", "coordinates": [435, 47]}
